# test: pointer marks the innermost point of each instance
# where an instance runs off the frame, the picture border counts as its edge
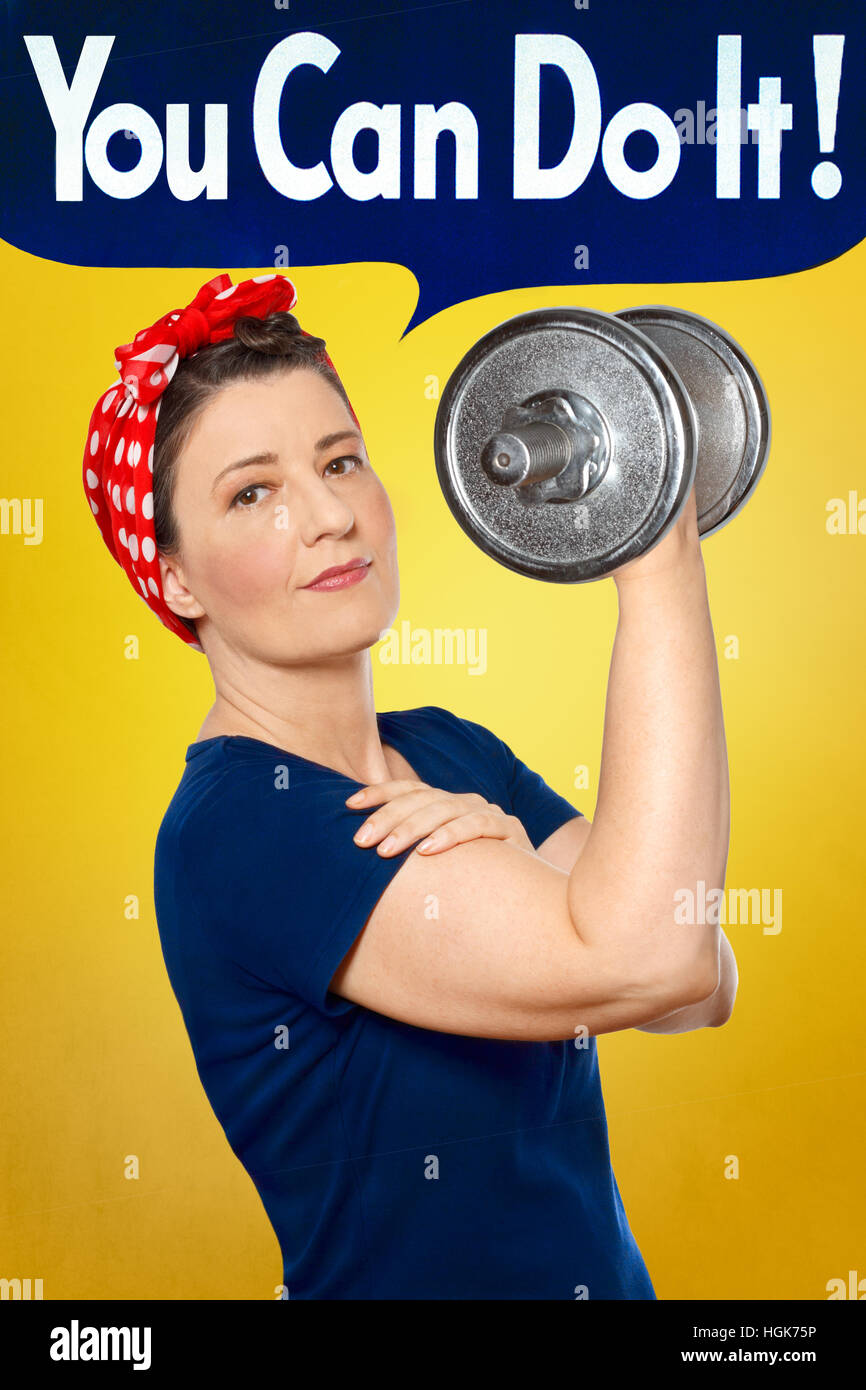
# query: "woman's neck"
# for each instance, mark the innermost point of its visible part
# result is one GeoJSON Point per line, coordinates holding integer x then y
{"type": "Point", "coordinates": [341, 733]}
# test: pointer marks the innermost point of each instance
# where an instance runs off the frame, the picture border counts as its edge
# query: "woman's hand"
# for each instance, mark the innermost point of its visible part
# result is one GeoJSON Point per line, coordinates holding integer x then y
{"type": "Point", "coordinates": [680, 543]}
{"type": "Point", "coordinates": [414, 809]}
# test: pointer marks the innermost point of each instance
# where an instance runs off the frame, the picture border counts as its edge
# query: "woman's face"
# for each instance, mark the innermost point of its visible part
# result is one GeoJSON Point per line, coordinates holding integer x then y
{"type": "Point", "coordinates": [254, 534]}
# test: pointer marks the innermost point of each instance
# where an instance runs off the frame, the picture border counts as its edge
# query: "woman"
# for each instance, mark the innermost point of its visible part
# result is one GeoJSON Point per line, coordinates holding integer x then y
{"type": "Point", "coordinates": [397, 1032]}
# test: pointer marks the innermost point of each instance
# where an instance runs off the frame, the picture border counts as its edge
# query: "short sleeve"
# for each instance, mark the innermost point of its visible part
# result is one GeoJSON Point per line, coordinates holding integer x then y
{"type": "Point", "coordinates": [539, 808]}
{"type": "Point", "coordinates": [536, 805]}
{"type": "Point", "coordinates": [278, 886]}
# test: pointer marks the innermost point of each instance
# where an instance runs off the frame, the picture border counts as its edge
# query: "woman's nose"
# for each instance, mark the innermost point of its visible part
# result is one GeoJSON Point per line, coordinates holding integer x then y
{"type": "Point", "coordinates": [320, 510]}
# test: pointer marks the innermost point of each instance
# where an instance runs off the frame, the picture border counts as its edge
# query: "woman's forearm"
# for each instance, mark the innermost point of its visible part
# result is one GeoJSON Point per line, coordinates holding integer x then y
{"type": "Point", "coordinates": [662, 818]}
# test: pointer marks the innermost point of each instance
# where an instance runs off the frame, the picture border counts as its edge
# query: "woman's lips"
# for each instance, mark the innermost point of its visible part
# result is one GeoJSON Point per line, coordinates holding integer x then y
{"type": "Point", "coordinates": [341, 581]}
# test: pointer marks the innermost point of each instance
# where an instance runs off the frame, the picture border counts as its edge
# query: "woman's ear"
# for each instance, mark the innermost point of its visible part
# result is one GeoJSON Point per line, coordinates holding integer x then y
{"type": "Point", "coordinates": [178, 597]}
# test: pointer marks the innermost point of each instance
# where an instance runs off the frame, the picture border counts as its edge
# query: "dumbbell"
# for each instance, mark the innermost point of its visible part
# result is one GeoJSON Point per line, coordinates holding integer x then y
{"type": "Point", "coordinates": [567, 440]}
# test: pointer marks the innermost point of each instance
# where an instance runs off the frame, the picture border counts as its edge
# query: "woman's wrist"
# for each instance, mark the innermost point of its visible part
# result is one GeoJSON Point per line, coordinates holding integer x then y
{"type": "Point", "coordinates": [655, 578]}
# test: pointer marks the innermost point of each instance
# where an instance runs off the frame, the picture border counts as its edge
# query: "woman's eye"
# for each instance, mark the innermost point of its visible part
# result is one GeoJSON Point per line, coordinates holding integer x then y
{"type": "Point", "coordinates": [244, 506]}
{"type": "Point", "coordinates": [345, 458]}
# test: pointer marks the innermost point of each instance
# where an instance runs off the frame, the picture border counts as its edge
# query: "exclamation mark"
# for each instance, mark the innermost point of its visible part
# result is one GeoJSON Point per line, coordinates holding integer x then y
{"type": "Point", "coordinates": [827, 51]}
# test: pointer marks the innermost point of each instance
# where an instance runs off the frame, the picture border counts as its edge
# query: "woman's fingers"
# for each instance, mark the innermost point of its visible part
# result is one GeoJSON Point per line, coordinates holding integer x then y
{"type": "Point", "coordinates": [410, 811]}
{"type": "Point", "coordinates": [398, 797]}
{"type": "Point", "coordinates": [397, 826]}
{"type": "Point", "coordinates": [444, 826]}
{"type": "Point", "coordinates": [411, 814]}
{"type": "Point", "coordinates": [382, 791]}
{"type": "Point", "coordinates": [475, 825]}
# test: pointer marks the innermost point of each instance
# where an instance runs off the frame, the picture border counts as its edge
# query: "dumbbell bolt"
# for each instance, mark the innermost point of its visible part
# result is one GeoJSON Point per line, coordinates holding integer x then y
{"type": "Point", "coordinates": [552, 447]}
{"type": "Point", "coordinates": [527, 454]}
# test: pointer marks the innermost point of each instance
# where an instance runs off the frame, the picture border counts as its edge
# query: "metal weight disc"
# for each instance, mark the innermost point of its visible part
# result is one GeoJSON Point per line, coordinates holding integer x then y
{"type": "Point", "coordinates": [627, 391]}
{"type": "Point", "coordinates": [730, 403]}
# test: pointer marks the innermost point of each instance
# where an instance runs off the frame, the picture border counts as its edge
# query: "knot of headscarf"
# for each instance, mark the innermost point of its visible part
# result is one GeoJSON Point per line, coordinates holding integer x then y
{"type": "Point", "coordinates": [118, 456]}
{"type": "Point", "coordinates": [148, 363]}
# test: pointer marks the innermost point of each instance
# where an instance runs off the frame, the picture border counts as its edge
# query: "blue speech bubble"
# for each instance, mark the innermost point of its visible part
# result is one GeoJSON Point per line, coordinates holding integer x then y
{"type": "Point", "coordinates": [484, 147]}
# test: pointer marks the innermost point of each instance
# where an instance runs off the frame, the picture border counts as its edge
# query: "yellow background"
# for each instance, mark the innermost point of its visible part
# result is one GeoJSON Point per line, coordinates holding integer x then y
{"type": "Point", "coordinates": [96, 1063]}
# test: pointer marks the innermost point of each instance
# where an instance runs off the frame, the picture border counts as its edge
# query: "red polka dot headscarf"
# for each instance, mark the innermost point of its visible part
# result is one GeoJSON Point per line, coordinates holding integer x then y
{"type": "Point", "coordinates": [118, 456]}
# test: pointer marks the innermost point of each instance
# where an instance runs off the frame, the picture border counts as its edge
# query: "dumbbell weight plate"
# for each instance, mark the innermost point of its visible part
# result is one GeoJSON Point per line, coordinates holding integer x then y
{"type": "Point", "coordinates": [730, 403]}
{"type": "Point", "coordinates": [648, 419]}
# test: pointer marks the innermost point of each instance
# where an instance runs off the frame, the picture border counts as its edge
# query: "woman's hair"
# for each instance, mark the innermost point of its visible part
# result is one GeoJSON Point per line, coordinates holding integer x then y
{"type": "Point", "coordinates": [258, 348]}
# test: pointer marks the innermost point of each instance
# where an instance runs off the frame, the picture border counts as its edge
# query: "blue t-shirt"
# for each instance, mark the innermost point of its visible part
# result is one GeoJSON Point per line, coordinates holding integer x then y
{"type": "Point", "coordinates": [392, 1161]}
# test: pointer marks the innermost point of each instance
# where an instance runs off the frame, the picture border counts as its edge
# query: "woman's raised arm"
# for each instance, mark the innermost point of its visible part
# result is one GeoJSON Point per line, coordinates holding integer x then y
{"type": "Point", "coordinates": [489, 940]}
{"type": "Point", "coordinates": [662, 818]}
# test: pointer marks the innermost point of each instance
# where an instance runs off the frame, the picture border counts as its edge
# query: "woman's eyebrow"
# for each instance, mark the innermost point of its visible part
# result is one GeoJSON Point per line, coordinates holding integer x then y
{"type": "Point", "coordinates": [328, 439]}
{"type": "Point", "coordinates": [269, 456]}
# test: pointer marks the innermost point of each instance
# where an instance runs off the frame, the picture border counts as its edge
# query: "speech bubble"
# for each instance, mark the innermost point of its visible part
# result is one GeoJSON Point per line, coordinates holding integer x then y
{"type": "Point", "coordinates": [483, 147]}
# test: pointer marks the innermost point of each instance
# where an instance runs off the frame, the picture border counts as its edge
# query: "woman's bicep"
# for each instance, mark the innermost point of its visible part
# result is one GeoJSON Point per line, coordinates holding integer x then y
{"type": "Point", "coordinates": [479, 941]}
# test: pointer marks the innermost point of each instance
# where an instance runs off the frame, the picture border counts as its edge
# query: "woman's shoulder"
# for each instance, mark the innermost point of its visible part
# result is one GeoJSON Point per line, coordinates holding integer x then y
{"type": "Point", "coordinates": [469, 731]}
{"type": "Point", "coordinates": [233, 787]}
{"type": "Point", "coordinates": [438, 714]}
